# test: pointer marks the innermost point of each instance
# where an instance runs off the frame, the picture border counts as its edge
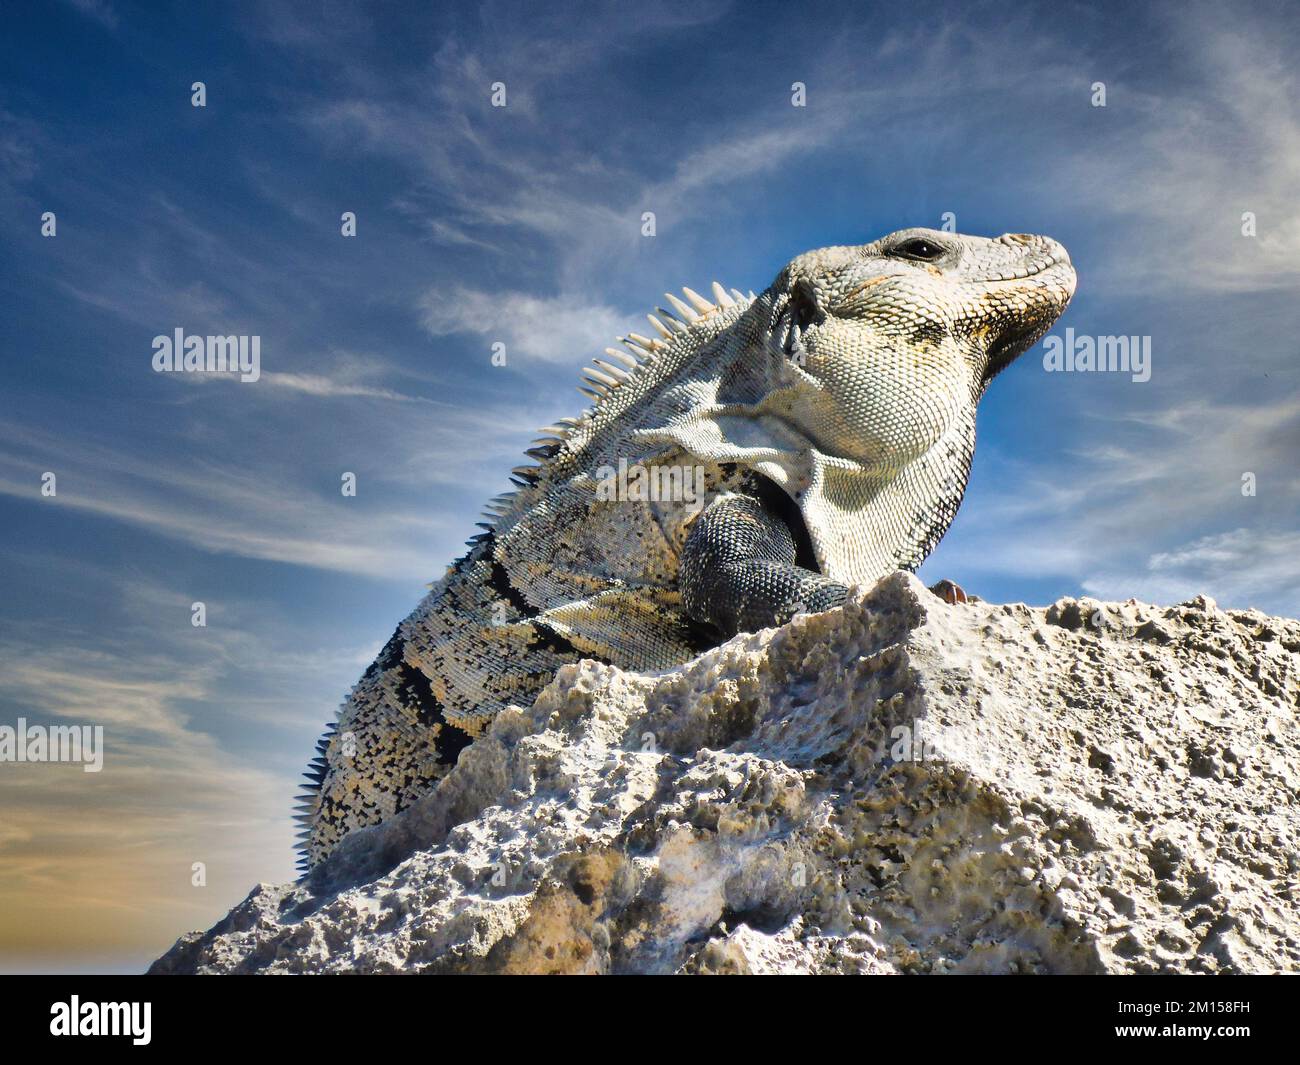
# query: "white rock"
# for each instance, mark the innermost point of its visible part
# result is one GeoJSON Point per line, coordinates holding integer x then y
{"type": "Point", "coordinates": [768, 828]}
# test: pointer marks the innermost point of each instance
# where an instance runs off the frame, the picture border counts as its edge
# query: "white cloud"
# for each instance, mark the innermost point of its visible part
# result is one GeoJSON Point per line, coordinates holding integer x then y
{"type": "Point", "coordinates": [275, 518]}
{"type": "Point", "coordinates": [1242, 567]}
{"type": "Point", "coordinates": [1152, 477]}
{"type": "Point", "coordinates": [99, 10]}
{"type": "Point", "coordinates": [1177, 166]}
{"type": "Point", "coordinates": [102, 863]}
{"type": "Point", "coordinates": [328, 388]}
{"type": "Point", "coordinates": [555, 329]}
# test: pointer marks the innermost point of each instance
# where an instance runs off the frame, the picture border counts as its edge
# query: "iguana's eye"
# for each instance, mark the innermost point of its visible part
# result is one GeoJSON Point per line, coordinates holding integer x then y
{"type": "Point", "coordinates": [918, 248]}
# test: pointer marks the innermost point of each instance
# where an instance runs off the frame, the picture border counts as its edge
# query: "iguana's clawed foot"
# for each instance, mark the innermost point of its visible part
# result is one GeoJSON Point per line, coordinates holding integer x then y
{"type": "Point", "coordinates": [950, 592]}
{"type": "Point", "coordinates": [738, 570]}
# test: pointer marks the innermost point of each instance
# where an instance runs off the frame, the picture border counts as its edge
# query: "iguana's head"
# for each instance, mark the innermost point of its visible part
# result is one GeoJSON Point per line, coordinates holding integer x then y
{"type": "Point", "coordinates": [993, 296]}
{"type": "Point", "coordinates": [897, 337]}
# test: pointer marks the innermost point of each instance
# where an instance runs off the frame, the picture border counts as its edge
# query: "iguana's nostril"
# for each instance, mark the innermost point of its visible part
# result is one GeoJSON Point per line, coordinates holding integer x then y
{"type": "Point", "coordinates": [1058, 251]}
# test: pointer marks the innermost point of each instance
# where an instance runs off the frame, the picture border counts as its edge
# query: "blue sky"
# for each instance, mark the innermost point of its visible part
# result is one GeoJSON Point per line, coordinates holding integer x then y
{"type": "Point", "coordinates": [522, 225]}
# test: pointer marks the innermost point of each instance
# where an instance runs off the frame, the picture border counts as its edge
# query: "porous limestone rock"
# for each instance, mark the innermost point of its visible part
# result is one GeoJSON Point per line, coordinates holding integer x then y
{"type": "Point", "coordinates": [894, 786]}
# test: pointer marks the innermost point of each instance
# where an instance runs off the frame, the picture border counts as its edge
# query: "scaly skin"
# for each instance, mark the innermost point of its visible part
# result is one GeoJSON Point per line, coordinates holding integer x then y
{"type": "Point", "coordinates": [828, 425]}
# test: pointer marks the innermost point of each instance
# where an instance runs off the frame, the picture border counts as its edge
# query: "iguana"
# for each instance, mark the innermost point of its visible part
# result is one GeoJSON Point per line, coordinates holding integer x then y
{"type": "Point", "coordinates": [755, 457]}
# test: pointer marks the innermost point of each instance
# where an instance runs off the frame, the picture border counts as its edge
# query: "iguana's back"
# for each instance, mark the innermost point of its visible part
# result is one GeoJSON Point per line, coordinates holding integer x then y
{"type": "Point", "coordinates": [580, 562]}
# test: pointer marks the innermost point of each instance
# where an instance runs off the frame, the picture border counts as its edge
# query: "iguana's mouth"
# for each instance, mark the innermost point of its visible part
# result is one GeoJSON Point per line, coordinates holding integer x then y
{"type": "Point", "coordinates": [1020, 275]}
{"type": "Point", "coordinates": [1047, 299]}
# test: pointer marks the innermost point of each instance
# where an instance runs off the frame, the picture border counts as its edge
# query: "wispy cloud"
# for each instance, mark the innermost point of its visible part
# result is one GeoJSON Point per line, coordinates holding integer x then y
{"type": "Point", "coordinates": [1143, 479]}
{"type": "Point", "coordinates": [103, 863]}
{"type": "Point", "coordinates": [1178, 165]}
{"type": "Point", "coordinates": [205, 730]}
{"type": "Point", "coordinates": [99, 10]}
{"type": "Point", "coordinates": [278, 520]}
{"type": "Point", "coordinates": [554, 329]}
{"type": "Point", "coordinates": [326, 387]}
{"type": "Point", "coordinates": [1240, 567]}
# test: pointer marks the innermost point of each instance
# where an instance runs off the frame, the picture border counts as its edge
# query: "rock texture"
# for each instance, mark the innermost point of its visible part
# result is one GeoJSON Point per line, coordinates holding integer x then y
{"type": "Point", "coordinates": [896, 786]}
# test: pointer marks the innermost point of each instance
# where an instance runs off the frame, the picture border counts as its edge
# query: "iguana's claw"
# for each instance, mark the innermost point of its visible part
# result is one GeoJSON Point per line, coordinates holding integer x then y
{"type": "Point", "coordinates": [950, 592]}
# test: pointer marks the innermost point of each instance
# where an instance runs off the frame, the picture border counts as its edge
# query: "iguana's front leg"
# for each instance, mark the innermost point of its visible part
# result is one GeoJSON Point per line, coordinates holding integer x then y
{"type": "Point", "coordinates": [738, 570]}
